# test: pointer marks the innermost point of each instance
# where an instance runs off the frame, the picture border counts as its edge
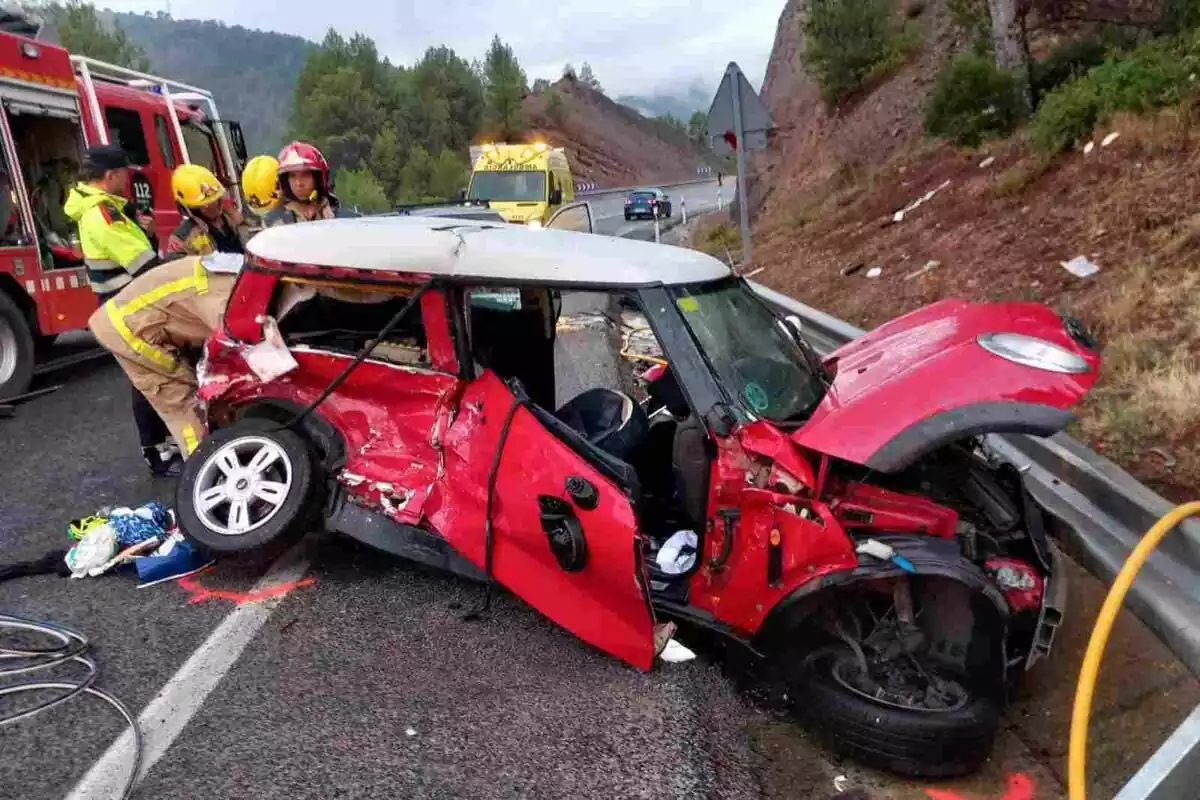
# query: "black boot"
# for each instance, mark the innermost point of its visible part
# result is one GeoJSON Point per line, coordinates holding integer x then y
{"type": "Point", "coordinates": [162, 464]}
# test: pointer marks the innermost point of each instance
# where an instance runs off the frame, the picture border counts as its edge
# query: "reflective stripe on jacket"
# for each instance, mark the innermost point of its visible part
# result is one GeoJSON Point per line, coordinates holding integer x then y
{"type": "Point", "coordinates": [115, 248]}
{"type": "Point", "coordinates": [172, 307]}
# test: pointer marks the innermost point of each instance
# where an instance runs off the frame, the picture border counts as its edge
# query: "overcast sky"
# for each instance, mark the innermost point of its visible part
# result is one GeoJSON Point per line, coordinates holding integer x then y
{"type": "Point", "coordinates": [634, 46]}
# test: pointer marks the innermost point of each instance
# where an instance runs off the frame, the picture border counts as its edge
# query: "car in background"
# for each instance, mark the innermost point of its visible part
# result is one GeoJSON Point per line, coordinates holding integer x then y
{"type": "Point", "coordinates": [641, 204]}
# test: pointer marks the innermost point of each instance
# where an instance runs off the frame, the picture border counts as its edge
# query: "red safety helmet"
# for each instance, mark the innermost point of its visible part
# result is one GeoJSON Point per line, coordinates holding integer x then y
{"type": "Point", "coordinates": [303, 157]}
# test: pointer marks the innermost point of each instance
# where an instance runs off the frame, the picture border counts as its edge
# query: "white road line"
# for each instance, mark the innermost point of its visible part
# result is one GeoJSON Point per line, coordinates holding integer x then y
{"type": "Point", "coordinates": [165, 717]}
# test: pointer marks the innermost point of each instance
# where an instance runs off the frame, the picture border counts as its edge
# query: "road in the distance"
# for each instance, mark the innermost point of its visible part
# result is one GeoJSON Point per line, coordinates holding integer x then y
{"type": "Point", "coordinates": [609, 215]}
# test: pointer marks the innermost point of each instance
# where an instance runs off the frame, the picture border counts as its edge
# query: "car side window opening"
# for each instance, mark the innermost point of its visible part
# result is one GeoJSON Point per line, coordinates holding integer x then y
{"type": "Point", "coordinates": [341, 318]}
{"type": "Point", "coordinates": [125, 130]}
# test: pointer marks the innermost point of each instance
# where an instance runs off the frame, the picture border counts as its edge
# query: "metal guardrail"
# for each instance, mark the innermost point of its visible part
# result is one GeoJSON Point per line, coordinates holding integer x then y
{"type": "Point", "coordinates": [693, 182]}
{"type": "Point", "coordinates": [1102, 513]}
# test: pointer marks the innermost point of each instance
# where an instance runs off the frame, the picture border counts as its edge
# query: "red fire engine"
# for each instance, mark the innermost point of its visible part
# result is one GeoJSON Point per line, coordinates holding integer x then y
{"type": "Point", "coordinates": [52, 106]}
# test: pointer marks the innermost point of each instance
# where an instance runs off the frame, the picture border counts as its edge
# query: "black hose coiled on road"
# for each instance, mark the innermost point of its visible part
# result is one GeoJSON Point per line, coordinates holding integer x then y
{"type": "Point", "coordinates": [73, 647]}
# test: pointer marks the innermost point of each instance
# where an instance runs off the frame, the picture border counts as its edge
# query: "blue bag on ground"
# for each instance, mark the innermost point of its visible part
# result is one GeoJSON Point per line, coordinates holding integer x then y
{"type": "Point", "coordinates": [177, 556]}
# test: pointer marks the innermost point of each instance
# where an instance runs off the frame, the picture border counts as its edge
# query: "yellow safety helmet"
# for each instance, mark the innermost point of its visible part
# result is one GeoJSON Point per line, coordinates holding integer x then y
{"type": "Point", "coordinates": [195, 187]}
{"type": "Point", "coordinates": [260, 183]}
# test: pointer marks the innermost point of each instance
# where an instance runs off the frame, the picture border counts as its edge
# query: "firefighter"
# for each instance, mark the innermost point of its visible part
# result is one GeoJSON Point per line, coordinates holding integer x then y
{"type": "Point", "coordinates": [305, 186]}
{"type": "Point", "coordinates": [115, 250]}
{"type": "Point", "coordinates": [260, 184]}
{"type": "Point", "coordinates": [155, 324]}
{"type": "Point", "coordinates": [208, 225]}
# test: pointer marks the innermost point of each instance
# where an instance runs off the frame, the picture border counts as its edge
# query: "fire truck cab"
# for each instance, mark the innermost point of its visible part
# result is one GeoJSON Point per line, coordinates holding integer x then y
{"type": "Point", "coordinates": [52, 106]}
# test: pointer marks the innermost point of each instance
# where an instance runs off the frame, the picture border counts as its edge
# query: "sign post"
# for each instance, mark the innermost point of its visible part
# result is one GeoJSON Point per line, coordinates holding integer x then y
{"type": "Point", "coordinates": [738, 121]}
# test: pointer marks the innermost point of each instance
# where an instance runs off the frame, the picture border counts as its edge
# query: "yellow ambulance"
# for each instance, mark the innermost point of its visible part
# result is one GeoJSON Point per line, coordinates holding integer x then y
{"type": "Point", "coordinates": [524, 183]}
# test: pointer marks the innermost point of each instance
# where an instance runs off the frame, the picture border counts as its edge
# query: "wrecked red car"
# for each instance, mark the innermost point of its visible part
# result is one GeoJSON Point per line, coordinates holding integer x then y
{"type": "Point", "coordinates": [842, 517]}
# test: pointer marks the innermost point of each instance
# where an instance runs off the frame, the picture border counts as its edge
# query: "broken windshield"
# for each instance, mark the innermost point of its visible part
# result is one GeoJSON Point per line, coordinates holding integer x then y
{"type": "Point", "coordinates": [506, 187]}
{"type": "Point", "coordinates": [757, 363]}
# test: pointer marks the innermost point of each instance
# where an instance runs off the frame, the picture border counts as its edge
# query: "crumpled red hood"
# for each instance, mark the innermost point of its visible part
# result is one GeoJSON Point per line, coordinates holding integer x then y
{"type": "Point", "coordinates": [924, 375]}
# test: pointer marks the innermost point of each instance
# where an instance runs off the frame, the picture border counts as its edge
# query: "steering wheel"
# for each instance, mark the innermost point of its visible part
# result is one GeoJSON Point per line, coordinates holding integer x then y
{"type": "Point", "coordinates": [766, 386]}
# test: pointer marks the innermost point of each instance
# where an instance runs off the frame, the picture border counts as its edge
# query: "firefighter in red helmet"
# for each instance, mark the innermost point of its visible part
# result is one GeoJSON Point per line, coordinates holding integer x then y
{"type": "Point", "coordinates": [305, 186]}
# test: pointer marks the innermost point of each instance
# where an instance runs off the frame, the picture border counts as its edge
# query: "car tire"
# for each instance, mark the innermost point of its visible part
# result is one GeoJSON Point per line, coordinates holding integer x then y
{"type": "Point", "coordinates": [17, 354]}
{"type": "Point", "coordinates": [912, 743]}
{"type": "Point", "coordinates": [272, 494]}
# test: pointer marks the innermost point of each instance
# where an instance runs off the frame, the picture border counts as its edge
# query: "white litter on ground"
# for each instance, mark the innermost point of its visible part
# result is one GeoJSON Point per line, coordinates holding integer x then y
{"type": "Point", "coordinates": [1089, 147]}
{"type": "Point", "coordinates": [925, 198]}
{"type": "Point", "coordinates": [410, 732]}
{"type": "Point", "coordinates": [987, 162]}
{"type": "Point", "coordinates": [874, 272]}
{"type": "Point", "coordinates": [1080, 267]}
{"type": "Point", "coordinates": [1112, 137]}
{"type": "Point", "coordinates": [676, 653]}
{"type": "Point", "coordinates": [839, 783]}
{"type": "Point", "coordinates": [929, 266]}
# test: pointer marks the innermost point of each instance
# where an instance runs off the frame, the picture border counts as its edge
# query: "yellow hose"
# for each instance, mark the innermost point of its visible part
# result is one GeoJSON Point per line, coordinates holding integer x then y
{"type": "Point", "coordinates": [1082, 712]}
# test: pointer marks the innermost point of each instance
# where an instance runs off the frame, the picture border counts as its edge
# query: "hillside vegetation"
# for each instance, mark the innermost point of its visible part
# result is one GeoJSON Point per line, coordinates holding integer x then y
{"type": "Point", "coordinates": [1088, 149]}
{"type": "Point", "coordinates": [393, 133]}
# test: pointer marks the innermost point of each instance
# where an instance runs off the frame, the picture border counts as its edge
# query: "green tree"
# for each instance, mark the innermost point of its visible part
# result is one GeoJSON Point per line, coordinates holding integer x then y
{"type": "Point", "coordinates": [387, 160]}
{"type": "Point", "coordinates": [697, 129]}
{"type": "Point", "coordinates": [341, 116]}
{"type": "Point", "coordinates": [416, 178]}
{"type": "Point", "coordinates": [506, 88]}
{"type": "Point", "coordinates": [588, 78]}
{"type": "Point", "coordinates": [450, 173]}
{"type": "Point", "coordinates": [81, 31]}
{"type": "Point", "coordinates": [360, 190]}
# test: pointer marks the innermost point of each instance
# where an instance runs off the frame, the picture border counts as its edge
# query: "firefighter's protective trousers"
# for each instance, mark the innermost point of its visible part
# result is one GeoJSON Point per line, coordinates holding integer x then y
{"type": "Point", "coordinates": [152, 324]}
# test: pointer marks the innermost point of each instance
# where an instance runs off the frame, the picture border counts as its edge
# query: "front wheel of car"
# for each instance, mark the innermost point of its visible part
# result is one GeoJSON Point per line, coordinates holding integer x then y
{"type": "Point", "coordinates": [939, 729]}
{"type": "Point", "coordinates": [248, 485]}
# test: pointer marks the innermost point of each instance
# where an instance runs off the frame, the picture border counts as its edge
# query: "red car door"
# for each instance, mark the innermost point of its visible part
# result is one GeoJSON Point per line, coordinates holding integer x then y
{"type": "Point", "coordinates": [565, 537]}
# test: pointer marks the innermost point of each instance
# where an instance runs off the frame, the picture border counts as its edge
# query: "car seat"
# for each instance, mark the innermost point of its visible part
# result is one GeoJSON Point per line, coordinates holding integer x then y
{"type": "Point", "coordinates": [609, 420]}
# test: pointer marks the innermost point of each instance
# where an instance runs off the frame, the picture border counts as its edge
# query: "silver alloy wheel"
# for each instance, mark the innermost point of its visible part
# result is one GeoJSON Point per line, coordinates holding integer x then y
{"type": "Point", "coordinates": [242, 485]}
{"type": "Point", "coordinates": [8, 351]}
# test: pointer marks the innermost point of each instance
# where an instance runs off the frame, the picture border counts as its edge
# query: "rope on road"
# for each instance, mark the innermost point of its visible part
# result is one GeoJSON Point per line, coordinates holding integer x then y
{"type": "Point", "coordinates": [72, 648]}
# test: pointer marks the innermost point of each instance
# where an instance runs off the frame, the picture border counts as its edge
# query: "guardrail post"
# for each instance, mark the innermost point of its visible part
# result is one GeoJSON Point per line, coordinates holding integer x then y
{"type": "Point", "coordinates": [720, 200]}
{"type": "Point", "coordinates": [656, 229]}
{"type": "Point", "coordinates": [683, 209]}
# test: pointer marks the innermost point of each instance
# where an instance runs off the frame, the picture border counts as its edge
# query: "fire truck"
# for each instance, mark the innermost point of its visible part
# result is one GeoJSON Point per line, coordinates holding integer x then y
{"type": "Point", "coordinates": [52, 106]}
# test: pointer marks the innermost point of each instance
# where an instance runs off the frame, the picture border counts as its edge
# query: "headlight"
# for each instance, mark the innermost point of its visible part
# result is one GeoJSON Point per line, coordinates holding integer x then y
{"type": "Point", "coordinates": [1033, 352]}
{"type": "Point", "coordinates": [534, 223]}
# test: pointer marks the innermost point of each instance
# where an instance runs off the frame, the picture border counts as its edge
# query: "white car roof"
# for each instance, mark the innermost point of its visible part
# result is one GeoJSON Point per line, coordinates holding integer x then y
{"type": "Point", "coordinates": [466, 249]}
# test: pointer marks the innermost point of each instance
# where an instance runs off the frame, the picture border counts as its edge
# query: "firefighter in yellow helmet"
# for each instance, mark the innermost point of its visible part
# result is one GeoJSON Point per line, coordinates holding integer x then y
{"type": "Point", "coordinates": [260, 184]}
{"type": "Point", "coordinates": [210, 223]}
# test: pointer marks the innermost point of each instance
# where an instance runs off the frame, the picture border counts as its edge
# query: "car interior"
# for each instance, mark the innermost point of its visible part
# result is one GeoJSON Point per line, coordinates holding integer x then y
{"type": "Point", "coordinates": [344, 320]}
{"type": "Point", "coordinates": [656, 450]}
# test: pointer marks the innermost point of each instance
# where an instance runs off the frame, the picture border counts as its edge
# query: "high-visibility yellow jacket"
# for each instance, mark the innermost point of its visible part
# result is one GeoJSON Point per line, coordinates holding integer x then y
{"type": "Point", "coordinates": [114, 247]}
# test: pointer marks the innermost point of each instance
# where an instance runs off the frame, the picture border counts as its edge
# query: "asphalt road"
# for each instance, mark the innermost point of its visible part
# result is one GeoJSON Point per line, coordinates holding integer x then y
{"type": "Point", "coordinates": [609, 215]}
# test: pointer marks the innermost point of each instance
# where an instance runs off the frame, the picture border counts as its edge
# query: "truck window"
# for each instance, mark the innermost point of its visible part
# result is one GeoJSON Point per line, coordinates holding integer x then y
{"type": "Point", "coordinates": [202, 148]}
{"type": "Point", "coordinates": [164, 141]}
{"type": "Point", "coordinates": [509, 186]}
{"type": "Point", "coordinates": [125, 129]}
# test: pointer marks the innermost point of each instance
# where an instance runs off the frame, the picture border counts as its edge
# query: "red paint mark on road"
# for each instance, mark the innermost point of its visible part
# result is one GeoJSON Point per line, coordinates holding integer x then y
{"type": "Point", "coordinates": [200, 594]}
{"type": "Point", "coordinates": [1020, 787]}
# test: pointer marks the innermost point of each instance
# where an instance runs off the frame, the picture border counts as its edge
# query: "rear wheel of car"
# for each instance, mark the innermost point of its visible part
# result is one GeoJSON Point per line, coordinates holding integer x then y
{"type": "Point", "coordinates": [948, 731]}
{"type": "Point", "coordinates": [16, 349]}
{"type": "Point", "coordinates": [247, 485]}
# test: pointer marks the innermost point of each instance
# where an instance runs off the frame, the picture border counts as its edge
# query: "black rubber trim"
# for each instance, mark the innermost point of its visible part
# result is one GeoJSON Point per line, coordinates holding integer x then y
{"type": "Point", "coordinates": [976, 419]}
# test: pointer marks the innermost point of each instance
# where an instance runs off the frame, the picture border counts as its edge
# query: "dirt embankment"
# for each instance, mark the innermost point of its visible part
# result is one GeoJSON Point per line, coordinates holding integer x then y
{"type": "Point", "coordinates": [998, 227]}
{"type": "Point", "coordinates": [608, 143]}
